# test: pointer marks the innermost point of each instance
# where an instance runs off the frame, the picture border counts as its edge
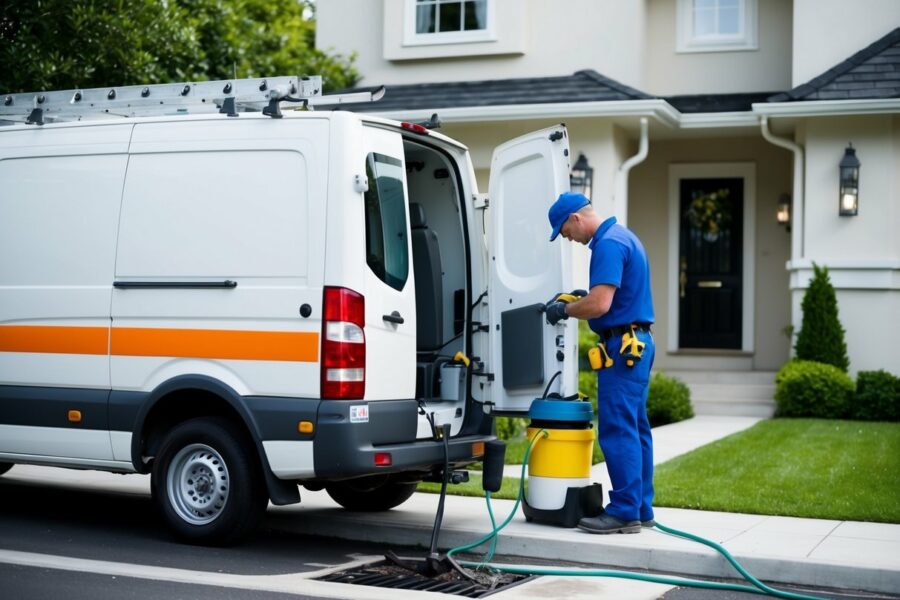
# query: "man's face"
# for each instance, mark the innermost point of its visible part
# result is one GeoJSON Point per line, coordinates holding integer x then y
{"type": "Point", "coordinates": [573, 229]}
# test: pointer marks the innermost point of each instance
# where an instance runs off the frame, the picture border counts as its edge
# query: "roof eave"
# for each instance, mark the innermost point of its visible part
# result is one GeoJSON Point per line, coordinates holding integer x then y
{"type": "Point", "coordinates": [826, 108]}
{"type": "Point", "coordinates": [658, 109]}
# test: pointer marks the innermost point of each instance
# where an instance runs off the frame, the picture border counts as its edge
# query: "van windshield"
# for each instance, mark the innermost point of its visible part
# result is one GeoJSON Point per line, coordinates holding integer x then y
{"type": "Point", "coordinates": [387, 249]}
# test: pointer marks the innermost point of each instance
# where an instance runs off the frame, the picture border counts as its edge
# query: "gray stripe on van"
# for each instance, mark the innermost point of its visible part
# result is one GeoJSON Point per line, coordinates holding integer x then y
{"type": "Point", "coordinates": [49, 407]}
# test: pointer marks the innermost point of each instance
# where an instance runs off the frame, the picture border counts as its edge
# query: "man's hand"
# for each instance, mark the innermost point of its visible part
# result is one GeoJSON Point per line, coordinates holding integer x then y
{"type": "Point", "coordinates": [556, 312]}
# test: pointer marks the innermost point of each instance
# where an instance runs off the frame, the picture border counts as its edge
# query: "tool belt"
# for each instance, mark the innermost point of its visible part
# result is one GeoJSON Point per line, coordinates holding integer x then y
{"type": "Point", "coordinates": [631, 350]}
{"type": "Point", "coordinates": [623, 329]}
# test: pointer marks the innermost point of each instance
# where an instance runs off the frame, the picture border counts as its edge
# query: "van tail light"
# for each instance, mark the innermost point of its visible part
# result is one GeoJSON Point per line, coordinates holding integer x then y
{"type": "Point", "coordinates": [343, 367]}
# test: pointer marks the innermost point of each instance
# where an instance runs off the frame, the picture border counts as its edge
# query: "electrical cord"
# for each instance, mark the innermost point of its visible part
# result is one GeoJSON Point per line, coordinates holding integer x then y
{"type": "Point", "coordinates": [759, 587]}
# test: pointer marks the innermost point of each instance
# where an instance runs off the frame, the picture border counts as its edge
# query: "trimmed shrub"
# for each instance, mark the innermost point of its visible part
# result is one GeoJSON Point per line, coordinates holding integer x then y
{"type": "Point", "coordinates": [508, 428]}
{"type": "Point", "coordinates": [877, 397]}
{"type": "Point", "coordinates": [821, 337]}
{"type": "Point", "coordinates": [668, 400]}
{"type": "Point", "coordinates": [805, 388]}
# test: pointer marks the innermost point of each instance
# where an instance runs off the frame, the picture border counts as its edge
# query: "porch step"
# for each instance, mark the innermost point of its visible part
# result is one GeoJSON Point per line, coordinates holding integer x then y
{"type": "Point", "coordinates": [730, 393]}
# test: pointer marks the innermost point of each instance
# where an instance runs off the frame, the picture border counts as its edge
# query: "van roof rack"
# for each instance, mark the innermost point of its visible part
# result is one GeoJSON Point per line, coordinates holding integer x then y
{"type": "Point", "coordinates": [230, 97]}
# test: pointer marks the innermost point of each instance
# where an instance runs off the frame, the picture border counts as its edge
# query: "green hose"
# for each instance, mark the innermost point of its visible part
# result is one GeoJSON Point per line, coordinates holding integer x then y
{"type": "Point", "coordinates": [760, 587]}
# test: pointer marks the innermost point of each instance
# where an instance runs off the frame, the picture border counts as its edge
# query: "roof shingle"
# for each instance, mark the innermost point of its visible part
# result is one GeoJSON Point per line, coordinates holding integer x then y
{"type": "Point", "coordinates": [873, 72]}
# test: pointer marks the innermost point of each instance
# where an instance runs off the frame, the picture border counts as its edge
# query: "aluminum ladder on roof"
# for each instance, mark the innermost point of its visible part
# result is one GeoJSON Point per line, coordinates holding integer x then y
{"type": "Point", "coordinates": [231, 97]}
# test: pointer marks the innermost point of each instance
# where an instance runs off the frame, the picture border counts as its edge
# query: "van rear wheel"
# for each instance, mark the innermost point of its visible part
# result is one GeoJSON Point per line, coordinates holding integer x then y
{"type": "Point", "coordinates": [207, 484]}
{"type": "Point", "coordinates": [371, 494]}
{"type": "Point", "coordinates": [4, 467]}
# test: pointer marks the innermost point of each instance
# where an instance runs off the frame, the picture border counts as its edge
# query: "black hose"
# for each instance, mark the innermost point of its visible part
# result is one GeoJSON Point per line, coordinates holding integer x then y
{"type": "Point", "coordinates": [439, 517]}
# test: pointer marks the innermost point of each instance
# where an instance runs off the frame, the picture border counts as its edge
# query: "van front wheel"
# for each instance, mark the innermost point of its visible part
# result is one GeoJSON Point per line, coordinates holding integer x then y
{"type": "Point", "coordinates": [206, 482]}
{"type": "Point", "coordinates": [371, 494]}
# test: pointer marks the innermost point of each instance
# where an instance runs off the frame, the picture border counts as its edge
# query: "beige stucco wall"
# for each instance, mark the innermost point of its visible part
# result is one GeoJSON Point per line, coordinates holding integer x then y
{"type": "Point", "coordinates": [667, 72]}
{"type": "Point", "coordinates": [862, 252]}
{"type": "Point", "coordinates": [872, 234]}
{"type": "Point", "coordinates": [648, 217]}
{"type": "Point", "coordinates": [535, 38]}
{"type": "Point", "coordinates": [826, 32]}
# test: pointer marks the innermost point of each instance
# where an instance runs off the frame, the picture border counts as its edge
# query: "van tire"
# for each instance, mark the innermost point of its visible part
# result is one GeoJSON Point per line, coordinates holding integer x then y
{"type": "Point", "coordinates": [371, 494]}
{"type": "Point", "coordinates": [4, 467]}
{"type": "Point", "coordinates": [207, 484]}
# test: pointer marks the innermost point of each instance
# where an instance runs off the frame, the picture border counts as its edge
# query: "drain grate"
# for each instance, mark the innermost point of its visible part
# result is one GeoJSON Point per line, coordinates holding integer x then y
{"type": "Point", "coordinates": [388, 575]}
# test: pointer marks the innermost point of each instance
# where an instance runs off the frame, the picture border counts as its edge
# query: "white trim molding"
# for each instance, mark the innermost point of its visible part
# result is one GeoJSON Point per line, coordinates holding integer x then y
{"type": "Point", "coordinates": [747, 172]}
{"type": "Point", "coordinates": [827, 108]}
{"type": "Point", "coordinates": [688, 40]}
{"type": "Point", "coordinates": [848, 274]}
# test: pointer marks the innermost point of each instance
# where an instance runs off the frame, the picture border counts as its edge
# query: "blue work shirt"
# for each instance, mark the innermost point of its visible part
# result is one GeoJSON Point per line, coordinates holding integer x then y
{"type": "Point", "coordinates": [618, 258]}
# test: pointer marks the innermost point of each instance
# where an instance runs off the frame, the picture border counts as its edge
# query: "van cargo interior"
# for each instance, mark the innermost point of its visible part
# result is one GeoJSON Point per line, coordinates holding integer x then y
{"type": "Point", "coordinates": [439, 266]}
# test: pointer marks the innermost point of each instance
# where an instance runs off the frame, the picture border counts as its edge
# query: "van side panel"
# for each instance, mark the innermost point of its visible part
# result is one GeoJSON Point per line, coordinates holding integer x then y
{"type": "Point", "coordinates": [59, 210]}
{"type": "Point", "coordinates": [209, 202]}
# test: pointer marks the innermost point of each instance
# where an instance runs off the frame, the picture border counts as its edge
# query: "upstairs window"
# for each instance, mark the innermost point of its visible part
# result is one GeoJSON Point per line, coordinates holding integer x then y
{"type": "Point", "coordinates": [449, 21]}
{"type": "Point", "coordinates": [716, 25]}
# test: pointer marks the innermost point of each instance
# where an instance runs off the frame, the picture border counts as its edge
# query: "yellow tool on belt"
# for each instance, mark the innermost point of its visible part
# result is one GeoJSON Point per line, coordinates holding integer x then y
{"type": "Point", "coordinates": [599, 357]}
{"type": "Point", "coordinates": [632, 348]}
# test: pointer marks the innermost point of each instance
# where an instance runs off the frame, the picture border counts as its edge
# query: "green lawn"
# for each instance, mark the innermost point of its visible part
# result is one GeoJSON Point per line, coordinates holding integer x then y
{"type": "Point", "coordinates": [823, 469]}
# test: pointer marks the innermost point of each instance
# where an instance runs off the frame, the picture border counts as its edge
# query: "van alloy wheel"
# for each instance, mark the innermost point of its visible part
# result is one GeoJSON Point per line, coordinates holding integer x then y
{"type": "Point", "coordinates": [198, 484]}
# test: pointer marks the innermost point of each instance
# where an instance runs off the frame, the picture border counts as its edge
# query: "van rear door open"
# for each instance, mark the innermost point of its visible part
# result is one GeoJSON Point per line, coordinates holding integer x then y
{"type": "Point", "coordinates": [527, 175]}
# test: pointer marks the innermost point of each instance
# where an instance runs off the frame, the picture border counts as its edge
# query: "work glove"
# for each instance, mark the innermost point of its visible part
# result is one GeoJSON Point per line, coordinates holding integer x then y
{"type": "Point", "coordinates": [556, 312]}
{"type": "Point", "coordinates": [570, 297]}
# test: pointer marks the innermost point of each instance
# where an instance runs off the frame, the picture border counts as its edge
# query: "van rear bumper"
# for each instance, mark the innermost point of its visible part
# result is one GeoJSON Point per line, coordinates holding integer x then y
{"type": "Point", "coordinates": [346, 447]}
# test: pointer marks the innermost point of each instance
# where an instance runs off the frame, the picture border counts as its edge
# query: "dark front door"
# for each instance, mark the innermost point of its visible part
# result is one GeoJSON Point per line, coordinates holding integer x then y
{"type": "Point", "coordinates": [710, 263]}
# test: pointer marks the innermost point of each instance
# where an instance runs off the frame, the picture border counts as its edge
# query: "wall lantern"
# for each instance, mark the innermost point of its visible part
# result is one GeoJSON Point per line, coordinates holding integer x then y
{"type": "Point", "coordinates": [784, 211]}
{"type": "Point", "coordinates": [581, 179]}
{"type": "Point", "coordinates": [849, 186]}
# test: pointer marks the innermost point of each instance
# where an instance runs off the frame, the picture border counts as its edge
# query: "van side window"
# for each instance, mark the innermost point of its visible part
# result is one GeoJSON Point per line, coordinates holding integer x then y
{"type": "Point", "coordinates": [387, 248]}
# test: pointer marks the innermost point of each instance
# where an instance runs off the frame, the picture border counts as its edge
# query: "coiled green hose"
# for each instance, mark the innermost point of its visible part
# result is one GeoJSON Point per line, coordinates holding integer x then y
{"type": "Point", "coordinates": [760, 587]}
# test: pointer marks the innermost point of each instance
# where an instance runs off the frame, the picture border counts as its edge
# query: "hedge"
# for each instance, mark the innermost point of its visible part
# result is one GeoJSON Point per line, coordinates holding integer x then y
{"type": "Point", "coordinates": [877, 397]}
{"type": "Point", "coordinates": [805, 388]}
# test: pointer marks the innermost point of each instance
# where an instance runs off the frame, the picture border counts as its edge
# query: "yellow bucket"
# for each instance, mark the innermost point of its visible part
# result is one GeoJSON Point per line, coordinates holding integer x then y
{"type": "Point", "coordinates": [563, 453]}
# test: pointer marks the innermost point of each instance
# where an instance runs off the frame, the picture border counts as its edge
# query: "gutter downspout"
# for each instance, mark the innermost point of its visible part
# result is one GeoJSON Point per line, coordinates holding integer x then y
{"type": "Point", "coordinates": [620, 200]}
{"type": "Point", "coordinates": [797, 226]}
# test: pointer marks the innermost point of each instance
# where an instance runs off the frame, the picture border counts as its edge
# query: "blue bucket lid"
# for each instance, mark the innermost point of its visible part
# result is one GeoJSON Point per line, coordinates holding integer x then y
{"type": "Point", "coordinates": [561, 410]}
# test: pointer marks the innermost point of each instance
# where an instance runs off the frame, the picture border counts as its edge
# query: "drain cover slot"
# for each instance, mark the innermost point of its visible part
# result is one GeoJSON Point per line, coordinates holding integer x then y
{"type": "Point", "coordinates": [384, 574]}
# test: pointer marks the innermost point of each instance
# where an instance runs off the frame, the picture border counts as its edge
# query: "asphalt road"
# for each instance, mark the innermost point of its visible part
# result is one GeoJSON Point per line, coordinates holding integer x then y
{"type": "Point", "coordinates": [97, 543]}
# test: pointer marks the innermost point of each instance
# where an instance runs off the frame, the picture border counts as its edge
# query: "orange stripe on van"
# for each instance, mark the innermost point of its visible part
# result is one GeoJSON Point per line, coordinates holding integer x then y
{"type": "Point", "coordinates": [215, 343]}
{"type": "Point", "coordinates": [54, 339]}
{"type": "Point", "coordinates": [180, 343]}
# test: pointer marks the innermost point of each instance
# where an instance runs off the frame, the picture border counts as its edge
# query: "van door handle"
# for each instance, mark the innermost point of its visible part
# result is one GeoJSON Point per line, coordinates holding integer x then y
{"type": "Point", "coordinates": [191, 285]}
{"type": "Point", "coordinates": [394, 317]}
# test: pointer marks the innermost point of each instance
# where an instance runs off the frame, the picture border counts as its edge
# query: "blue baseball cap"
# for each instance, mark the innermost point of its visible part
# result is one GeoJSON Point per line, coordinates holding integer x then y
{"type": "Point", "coordinates": [565, 205]}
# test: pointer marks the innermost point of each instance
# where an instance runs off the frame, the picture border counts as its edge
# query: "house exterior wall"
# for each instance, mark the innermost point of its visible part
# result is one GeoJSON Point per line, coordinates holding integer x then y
{"type": "Point", "coordinates": [861, 252]}
{"type": "Point", "coordinates": [534, 38]}
{"type": "Point", "coordinates": [826, 32]}
{"type": "Point", "coordinates": [668, 72]}
{"type": "Point", "coordinates": [648, 217]}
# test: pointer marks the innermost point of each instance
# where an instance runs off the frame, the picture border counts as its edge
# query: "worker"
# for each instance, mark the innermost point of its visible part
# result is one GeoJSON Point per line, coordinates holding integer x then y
{"type": "Point", "coordinates": [619, 308]}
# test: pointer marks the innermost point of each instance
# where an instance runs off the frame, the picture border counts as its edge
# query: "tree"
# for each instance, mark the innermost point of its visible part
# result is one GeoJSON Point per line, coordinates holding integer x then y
{"type": "Point", "coordinates": [66, 44]}
{"type": "Point", "coordinates": [821, 336]}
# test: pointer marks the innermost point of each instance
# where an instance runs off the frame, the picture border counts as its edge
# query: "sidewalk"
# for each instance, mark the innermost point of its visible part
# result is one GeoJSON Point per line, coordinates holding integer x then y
{"type": "Point", "coordinates": [838, 554]}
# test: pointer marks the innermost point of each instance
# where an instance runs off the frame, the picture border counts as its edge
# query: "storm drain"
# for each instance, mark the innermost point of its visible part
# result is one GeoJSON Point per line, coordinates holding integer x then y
{"type": "Point", "coordinates": [387, 575]}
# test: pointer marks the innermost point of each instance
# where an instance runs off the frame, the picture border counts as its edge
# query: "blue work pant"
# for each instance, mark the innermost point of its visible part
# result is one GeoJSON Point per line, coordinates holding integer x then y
{"type": "Point", "coordinates": [624, 431]}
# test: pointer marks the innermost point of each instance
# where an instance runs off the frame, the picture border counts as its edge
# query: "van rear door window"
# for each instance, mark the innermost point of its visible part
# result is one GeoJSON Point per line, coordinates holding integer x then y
{"type": "Point", "coordinates": [387, 246]}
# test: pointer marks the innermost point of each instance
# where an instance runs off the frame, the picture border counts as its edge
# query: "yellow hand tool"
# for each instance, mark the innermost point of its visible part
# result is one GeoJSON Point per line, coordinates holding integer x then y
{"type": "Point", "coordinates": [460, 357]}
{"type": "Point", "coordinates": [599, 357]}
{"type": "Point", "coordinates": [632, 348]}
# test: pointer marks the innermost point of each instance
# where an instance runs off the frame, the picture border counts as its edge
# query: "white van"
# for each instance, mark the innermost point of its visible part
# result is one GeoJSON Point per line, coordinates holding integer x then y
{"type": "Point", "coordinates": [241, 305]}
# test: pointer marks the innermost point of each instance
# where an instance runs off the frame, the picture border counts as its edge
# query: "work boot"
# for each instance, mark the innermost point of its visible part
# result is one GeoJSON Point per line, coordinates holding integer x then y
{"type": "Point", "coordinates": [606, 523]}
{"type": "Point", "coordinates": [648, 523]}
